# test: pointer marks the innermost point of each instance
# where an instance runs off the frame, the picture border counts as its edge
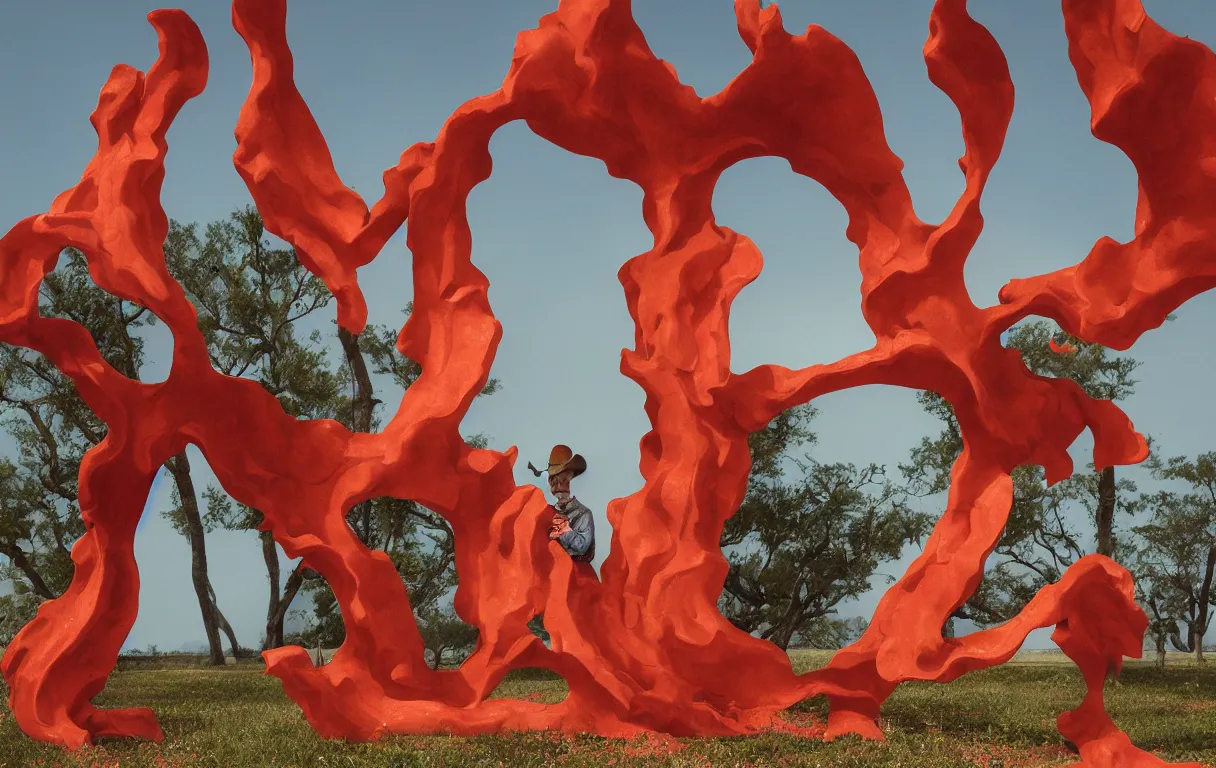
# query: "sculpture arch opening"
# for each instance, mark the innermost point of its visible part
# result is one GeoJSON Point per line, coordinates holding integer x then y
{"type": "Point", "coordinates": [804, 307]}
{"type": "Point", "coordinates": [565, 321]}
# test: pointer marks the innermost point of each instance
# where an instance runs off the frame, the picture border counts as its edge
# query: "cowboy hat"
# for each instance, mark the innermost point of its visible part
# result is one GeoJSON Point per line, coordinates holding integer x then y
{"type": "Point", "coordinates": [562, 458]}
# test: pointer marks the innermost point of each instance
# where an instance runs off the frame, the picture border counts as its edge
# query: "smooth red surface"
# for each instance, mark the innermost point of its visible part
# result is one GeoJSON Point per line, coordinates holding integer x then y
{"type": "Point", "coordinates": [645, 648]}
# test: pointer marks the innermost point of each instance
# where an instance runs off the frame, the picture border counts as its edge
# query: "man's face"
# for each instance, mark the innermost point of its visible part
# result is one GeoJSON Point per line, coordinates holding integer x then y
{"type": "Point", "coordinates": [559, 484]}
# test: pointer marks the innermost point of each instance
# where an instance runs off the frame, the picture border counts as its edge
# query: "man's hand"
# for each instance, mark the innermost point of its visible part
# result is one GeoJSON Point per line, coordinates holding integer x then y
{"type": "Point", "coordinates": [559, 526]}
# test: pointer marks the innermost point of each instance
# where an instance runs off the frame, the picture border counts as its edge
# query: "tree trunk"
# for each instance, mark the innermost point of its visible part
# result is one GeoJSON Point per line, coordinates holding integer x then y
{"type": "Point", "coordinates": [294, 582]}
{"type": "Point", "coordinates": [226, 628]}
{"type": "Point", "coordinates": [795, 616]}
{"type": "Point", "coordinates": [280, 602]}
{"type": "Point", "coordinates": [437, 656]}
{"type": "Point", "coordinates": [782, 632]}
{"type": "Point", "coordinates": [1176, 639]}
{"type": "Point", "coordinates": [1205, 598]}
{"type": "Point", "coordinates": [179, 467]}
{"type": "Point", "coordinates": [1160, 641]}
{"type": "Point", "coordinates": [361, 417]}
{"type": "Point", "coordinates": [1105, 518]}
{"type": "Point", "coordinates": [270, 554]}
{"type": "Point", "coordinates": [276, 611]}
{"type": "Point", "coordinates": [361, 412]}
{"type": "Point", "coordinates": [782, 637]}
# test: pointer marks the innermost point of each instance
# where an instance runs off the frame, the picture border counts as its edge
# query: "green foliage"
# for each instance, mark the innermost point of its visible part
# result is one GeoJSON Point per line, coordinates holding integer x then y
{"type": "Point", "coordinates": [537, 625]}
{"type": "Point", "coordinates": [829, 633]}
{"type": "Point", "coordinates": [446, 638]}
{"type": "Point", "coordinates": [1102, 375]}
{"type": "Point", "coordinates": [249, 297]}
{"type": "Point", "coordinates": [798, 547]}
{"type": "Point", "coordinates": [324, 628]}
{"type": "Point", "coordinates": [1176, 564]}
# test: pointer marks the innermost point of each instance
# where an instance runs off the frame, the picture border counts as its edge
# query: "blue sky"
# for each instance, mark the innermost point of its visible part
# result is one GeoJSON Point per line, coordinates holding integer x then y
{"type": "Point", "coordinates": [551, 229]}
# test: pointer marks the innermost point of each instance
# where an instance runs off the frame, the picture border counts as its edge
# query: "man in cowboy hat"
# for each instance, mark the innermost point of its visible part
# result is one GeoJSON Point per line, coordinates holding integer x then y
{"type": "Point", "coordinates": [573, 526]}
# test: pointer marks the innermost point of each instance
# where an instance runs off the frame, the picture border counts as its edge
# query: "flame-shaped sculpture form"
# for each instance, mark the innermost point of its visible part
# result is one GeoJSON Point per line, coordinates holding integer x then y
{"type": "Point", "coordinates": [645, 649]}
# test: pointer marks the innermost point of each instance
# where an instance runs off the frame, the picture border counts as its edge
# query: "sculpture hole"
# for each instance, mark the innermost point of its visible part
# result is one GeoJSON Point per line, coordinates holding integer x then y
{"type": "Point", "coordinates": [813, 709]}
{"type": "Point", "coordinates": [533, 684]}
{"type": "Point", "coordinates": [668, 36]}
{"type": "Point", "coordinates": [1050, 161]}
{"type": "Point", "coordinates": [184, 495]}
{"type": "Point", "coordinates": [421, 546]}
{"type": "Point", "coordinates": [537, 626]}
{"type": "Point", "coordinates": [804, 308]}
{"type": "Point", "coordinates": [819, 470]}
{"type": "Point", "coordinates": [564, 320]}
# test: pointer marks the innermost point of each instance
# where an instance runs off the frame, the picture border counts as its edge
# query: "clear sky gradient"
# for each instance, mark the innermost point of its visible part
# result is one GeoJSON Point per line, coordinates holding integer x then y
{"type": "Point", "coordinates": [551, 229]}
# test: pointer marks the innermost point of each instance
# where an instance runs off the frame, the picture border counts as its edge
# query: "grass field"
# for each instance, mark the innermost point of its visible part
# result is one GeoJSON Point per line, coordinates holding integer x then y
{"type": "Point", "coordinates": [1000, 718]}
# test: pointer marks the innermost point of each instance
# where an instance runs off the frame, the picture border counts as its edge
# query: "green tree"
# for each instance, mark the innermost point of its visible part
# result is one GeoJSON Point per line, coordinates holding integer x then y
{"type": "Point", "coordinates": [798, 547]}
{"type": "Point", "coordinates": [1156, 590]}
{"type": "Point", "coordinates": [1179, 552]}
{"type": "Point", "coordinates": [445, 637]}
{"type": "Point", "coordinates": [1040, 539]}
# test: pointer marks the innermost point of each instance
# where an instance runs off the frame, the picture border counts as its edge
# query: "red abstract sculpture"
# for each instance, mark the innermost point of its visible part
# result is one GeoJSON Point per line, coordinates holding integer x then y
{"type": "Point", "coordinates": [645, 649]}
